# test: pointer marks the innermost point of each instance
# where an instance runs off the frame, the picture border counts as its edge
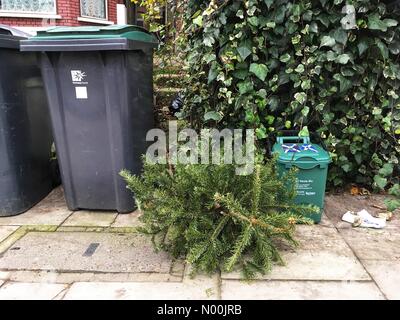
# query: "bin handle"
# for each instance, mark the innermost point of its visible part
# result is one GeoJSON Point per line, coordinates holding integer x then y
{"type": "Point", "coordinates": [306, 167]}
{"type": "Point", "coordinates": [283, 140]}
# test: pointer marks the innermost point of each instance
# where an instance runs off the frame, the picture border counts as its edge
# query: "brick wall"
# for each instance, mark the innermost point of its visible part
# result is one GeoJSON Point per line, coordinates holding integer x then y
{"type": "Point", "coordinates": [69, 10]}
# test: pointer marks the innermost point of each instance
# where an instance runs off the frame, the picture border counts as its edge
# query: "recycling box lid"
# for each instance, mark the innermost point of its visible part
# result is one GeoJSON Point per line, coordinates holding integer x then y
{"type": "Point", "coordinates": [91, 38]}
{"type": "Point", "coordinates": [10, 37]}
{"type": "Point", "coordinates": [300, 152]}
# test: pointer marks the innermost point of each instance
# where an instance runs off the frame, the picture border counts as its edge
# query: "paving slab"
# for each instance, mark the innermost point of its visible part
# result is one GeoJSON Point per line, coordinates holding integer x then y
{"type": "Point", "coordinates": [4, 275]}
{"type": "Point", "coordinates": [372, 244]}
{"type": "Point", "coordinates": [85, 252]}
{"type": "Point", "coordinates": [127, 220]}
{"type": "Point", "coordinates": [30, 291]}
{"type": "Point", "coordinates": [190, 290]}
{"type": "Point", "coordinates": [90, 219]}
{"type": "Point", "coordinates": [300, 290]}
{"type": "Point", "coordinates": [387, 276]}
{"type": "Point", "coordinates": [5, 231]}
{"type": "Point", "coordinates": [321, 255]}
{"type": "Point", "coordinates": [326, 222]}
{"type": "Point", "coordinates": [51, 211]}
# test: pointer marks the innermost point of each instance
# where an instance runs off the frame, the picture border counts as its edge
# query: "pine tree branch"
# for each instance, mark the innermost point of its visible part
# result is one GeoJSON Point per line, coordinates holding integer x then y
{"type": "Point", "coordinates": [240, 245]}
{"type": "Point", "coordinates": [222, 222]}
{"type": "Point", "coordinates": [256, 191]}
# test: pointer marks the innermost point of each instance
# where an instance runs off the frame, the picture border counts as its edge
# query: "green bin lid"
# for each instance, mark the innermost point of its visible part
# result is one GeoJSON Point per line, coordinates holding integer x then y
{"type": "Point", "coordinates": [301, 152]}
{"type": "Point", "coordinates": [96, 32]}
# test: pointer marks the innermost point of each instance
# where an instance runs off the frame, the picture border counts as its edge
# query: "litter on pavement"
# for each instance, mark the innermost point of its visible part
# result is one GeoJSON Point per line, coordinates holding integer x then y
{"type": "Point", "coordinates": [364, 219]}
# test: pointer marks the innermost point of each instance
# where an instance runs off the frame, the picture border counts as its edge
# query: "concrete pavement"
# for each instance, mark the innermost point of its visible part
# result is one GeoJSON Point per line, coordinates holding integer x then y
{"type": "Point", "coordinates": [52, 253]}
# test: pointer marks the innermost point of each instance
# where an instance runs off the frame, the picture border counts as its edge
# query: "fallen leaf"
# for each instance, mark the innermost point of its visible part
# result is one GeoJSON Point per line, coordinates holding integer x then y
{"type": "Point", "coordinates": [354, 191]}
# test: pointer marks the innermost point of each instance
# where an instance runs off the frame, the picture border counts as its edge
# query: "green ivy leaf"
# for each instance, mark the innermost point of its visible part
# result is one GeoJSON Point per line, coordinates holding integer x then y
{"type": "Point", "coordinates": [260, 70]}
{"type": "Point", "coordinates": [273, 103]}
{"type": "Point", "coordinates": [198, 21]}
{"type": "Point", "coordinates": [382, 48]}
{"type": "Point", "coordinates": [306, 84]}
{"type": "Point", "coordinates": [386, 170]}
{"type": "Point", "coordinates": [359, 95]}
{"type": "Point", "coordinates": [208, 41]}
{"type": "Point", "coordinates": [244, 49]}
{"type": "Point", "coordinates": [345, 84]}
{"type": "Point", "coordinates": [245, 87]}
{"type": "Point", "coordinates": [253, 21]}
{"type": "Point", "coordinates": [300, 68]}
{"type": "Point", "coordinates": [300, 97]}
{"type": "Point", "coordinates": [363, 46]}
{"type": "Point", "coordinates": [390, 23]}
{"type": "Point", "coordinates": [395, 190]}
{"type": "Point", "coordinates": [269, 3]}
{"type": "Point", "coordinates": [241, 74]}
{"type": "Point", "coordinates": [327, 41]}
{"type": "Point", "coordinates": [381, 182]}
{"type": "Point", "coordinates": [392, 204]}
{"type": "Point", "coordinates": [305, 111]}
{"type": "Point", "coordinates": [314, 27]}
{"type": "Point", "coordinates": [213, 73]}
{"type": "Point", "coordinates": [212, 115]}
{"type": "Point", "coordinates": [343, 58]}
{"type": "Point", "coordinates": [375, 23]}
{"type": "Point", "coordinates": [304, 132]}
{"type": "Point", "coordinates": [346, 167]}
{"type": "Point", "coordinates": [285, 58]}
{"type": "Point", "coordinates": [261, 133]}
{"type": "Point", "coordinates": [340, 36]}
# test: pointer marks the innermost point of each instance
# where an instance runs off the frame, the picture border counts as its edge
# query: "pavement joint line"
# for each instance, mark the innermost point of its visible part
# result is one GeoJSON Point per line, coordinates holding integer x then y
{"type": "Point", "coordinates": [174, 264]}
{"type": "Point", "coordinates": [115, 219]}
{"type": "Point", "coordinates": [8, 242]}
{"type": "Point", "coordinates": [61, 295]}
{"type": "Point", "coordinates": [56, 228]}
{"type": "Point", "coordinates": [4, 282]}
{"type": "Point", "coordinates": [219, 285]}
{"type": "Point", "coordinates": [70, 214]}
{"type": "Point", "coordinates": [61, 271]}
{"type": "Point", "coordinates": [359, 260]}
{"type": "Point", "coordinates": [386, 260]}
{"type": "Point", "coordinates": [40, 228]}
{"type": "Point", "coordinates": [297, 280]}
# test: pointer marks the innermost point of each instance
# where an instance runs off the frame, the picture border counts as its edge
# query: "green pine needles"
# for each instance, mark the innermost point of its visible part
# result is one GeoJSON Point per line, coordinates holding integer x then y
{"type": "Point", "coordinates": [217, 219]}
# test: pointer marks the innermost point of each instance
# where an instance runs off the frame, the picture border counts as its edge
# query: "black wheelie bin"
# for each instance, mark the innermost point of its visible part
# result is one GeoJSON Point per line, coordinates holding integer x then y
{"type": "Point", "coordinates": [99, 83]}
{"type": "Point", "coordinates": [26, 168]}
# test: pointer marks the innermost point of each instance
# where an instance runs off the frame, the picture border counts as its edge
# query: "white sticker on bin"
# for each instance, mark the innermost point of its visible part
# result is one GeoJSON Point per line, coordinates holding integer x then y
{"type": "Point", "coordinates": [81, 92]}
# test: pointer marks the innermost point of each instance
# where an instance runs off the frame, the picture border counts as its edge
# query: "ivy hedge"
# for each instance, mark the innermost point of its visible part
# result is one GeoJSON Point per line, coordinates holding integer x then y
{"type": "Point", "coordinates": [331, 65]}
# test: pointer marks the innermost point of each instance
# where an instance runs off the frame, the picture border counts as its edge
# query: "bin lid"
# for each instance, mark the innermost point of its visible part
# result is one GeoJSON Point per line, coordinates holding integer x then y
{"type": "Point", "coordinates": [10, 37]}
{"type": "Point", "coordinates": [301, 152]}
{"type": "Point", "coordinates": [91, 38]}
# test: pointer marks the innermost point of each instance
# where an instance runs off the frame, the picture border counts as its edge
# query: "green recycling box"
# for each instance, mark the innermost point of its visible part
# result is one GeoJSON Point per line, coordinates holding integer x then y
{"type": "Point", "coordinates": [312, 162]}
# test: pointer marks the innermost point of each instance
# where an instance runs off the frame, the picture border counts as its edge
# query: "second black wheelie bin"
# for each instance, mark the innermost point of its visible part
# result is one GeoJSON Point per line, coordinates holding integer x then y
{"type": "Point", "coordinates": [99, 84]}
{"type": "Point", "coordinates": [26, 168]}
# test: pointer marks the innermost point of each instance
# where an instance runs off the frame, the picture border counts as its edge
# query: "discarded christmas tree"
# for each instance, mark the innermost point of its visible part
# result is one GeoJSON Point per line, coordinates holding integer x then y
{"type": "Point", "coordinates": [217, 219]}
